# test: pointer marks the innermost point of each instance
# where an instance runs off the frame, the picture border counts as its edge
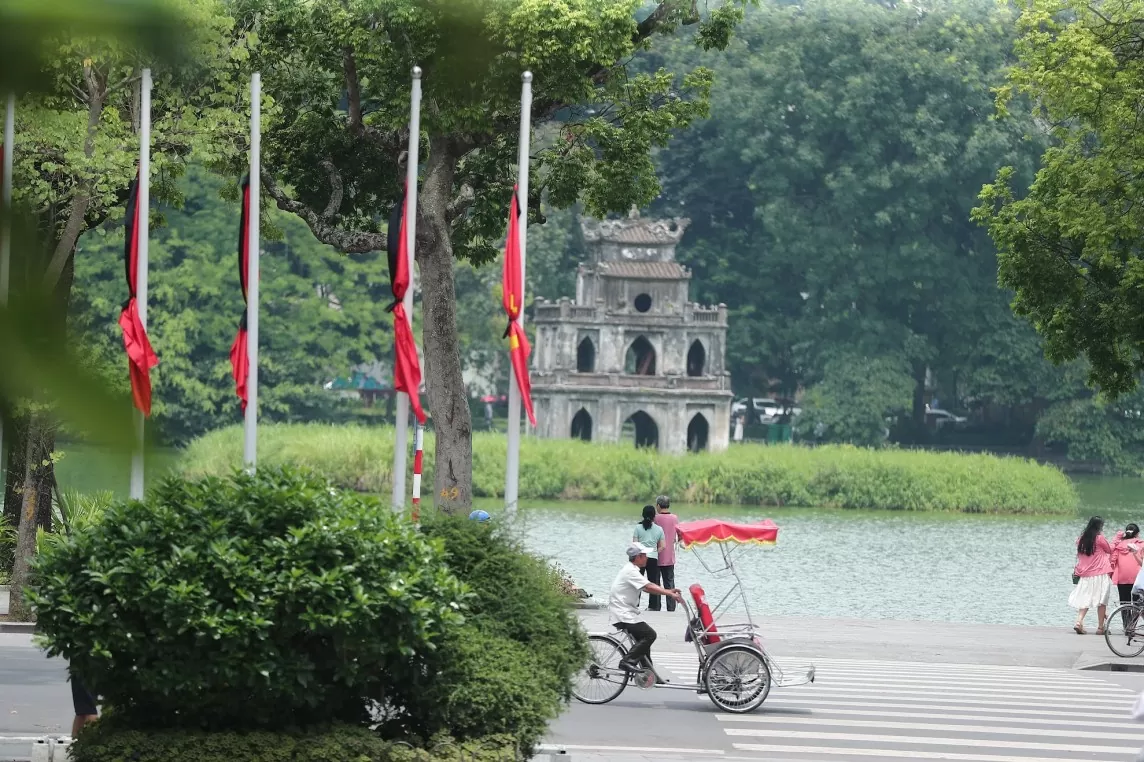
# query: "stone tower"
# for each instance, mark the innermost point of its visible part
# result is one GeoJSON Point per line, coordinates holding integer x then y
{"type": "Point", "coordinates": [632, 358]}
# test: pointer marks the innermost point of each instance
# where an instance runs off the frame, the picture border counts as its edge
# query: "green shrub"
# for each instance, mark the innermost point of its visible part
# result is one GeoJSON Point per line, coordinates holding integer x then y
{"type": "Point", "coordinates": [269, 601]}
{"type": "Point", "coordinates": [835, 476]}
{"type": "Point", "coordinates": [510, 669]}
{"type": "Point", "coordinates": [111, 741]}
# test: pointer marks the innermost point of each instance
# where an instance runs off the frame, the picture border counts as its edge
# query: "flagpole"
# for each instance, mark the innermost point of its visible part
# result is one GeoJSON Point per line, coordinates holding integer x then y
{"type": "Point", "coordinates": [512, 462]}
{"type": "Point", "coordinates": [6, 223]}
{"type": "Point", "coordinates": [401, 441]}
{"type": "Point", "coordinates": [141, 233]}
{"type": "Point", "coordinates": [250, 419]}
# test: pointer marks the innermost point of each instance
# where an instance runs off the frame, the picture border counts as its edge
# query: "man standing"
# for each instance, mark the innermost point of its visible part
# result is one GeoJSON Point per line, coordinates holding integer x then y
{"type": "Point", "coordinates": [623, 606]}
{"type": "Point", "coordinates": [669, 523]}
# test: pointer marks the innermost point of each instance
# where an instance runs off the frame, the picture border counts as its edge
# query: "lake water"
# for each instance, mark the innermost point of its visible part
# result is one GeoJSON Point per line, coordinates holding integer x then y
{"type": "Point", "coordinates": [864, 564]}
{"type": "Point", "coordinates": [922, 566]}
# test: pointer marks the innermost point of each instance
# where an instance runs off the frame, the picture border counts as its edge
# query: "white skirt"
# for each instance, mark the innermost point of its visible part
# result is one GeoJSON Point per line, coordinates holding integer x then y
{"type": "Point", "coordinates": [1091, 592]}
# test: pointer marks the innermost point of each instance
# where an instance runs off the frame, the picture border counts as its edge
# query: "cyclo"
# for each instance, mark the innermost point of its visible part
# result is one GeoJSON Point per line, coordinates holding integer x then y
{"type": "Point", "coordinates": [735, 671]}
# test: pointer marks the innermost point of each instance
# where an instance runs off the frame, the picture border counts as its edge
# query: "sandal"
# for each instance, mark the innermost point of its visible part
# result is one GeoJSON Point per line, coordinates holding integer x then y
{"type": "Point", "coordinates": [1078, 629]}
{"type": "Point", "coordinates": [1099, 630]}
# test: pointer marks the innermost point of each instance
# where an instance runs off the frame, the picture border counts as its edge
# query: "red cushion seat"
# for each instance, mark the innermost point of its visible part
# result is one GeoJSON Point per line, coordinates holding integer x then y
{"type": "Point", "coordinates": [705, 617]}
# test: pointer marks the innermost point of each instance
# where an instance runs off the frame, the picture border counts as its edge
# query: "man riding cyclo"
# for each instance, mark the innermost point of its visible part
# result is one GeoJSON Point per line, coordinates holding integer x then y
{"type": "Point", "coordinates": [624, 607]}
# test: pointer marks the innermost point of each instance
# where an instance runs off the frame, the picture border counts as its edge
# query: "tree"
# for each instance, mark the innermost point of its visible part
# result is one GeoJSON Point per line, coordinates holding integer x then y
{"type": "Point", "coordinates": [1070, 247]}
{"type": "Point", "coordinates": [77, 146]}
{"type": "Point", "coordinates": [338, 72]}
{"type": "Point", "coordinates": [321, 313]}
{"type": "Point", "coordinates": [830, 208]}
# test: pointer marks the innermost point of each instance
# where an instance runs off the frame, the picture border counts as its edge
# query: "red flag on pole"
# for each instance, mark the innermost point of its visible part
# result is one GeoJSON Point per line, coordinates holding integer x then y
{"type": "Point", "coordinates": [141, 358]}
{"type": "Point", "coordinates": [406, 368]}
{"type": "Point", "coordinates": [239, 356]}
{"type": "Point", "coordinates": [513, 298]}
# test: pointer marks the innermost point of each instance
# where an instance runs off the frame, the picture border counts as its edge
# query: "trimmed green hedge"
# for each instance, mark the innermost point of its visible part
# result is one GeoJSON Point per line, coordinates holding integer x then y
{"type": "Point", "coordinates": [830, 476]}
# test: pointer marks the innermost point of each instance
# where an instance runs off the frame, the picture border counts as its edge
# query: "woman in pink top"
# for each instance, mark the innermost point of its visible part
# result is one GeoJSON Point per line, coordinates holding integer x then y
{"type": "Point", "coordinates": [1126, 553]}
{"type": "Point", "coordinates": [1094, 569]}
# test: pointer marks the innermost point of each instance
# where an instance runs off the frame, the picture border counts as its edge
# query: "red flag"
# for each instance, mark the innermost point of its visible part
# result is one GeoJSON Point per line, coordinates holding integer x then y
{"type": "Point", "coordinates": [512, 298]}
{"type": "Point", "coordinates": [239, 356]}
{"type": "Point", "coordinates": [140, 357]}
{"type": "Point", "coordinates": [406, 368]}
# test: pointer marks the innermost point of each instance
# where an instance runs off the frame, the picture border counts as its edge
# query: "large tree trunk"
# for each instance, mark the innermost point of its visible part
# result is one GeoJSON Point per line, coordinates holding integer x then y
{"type": "Point", "coordinates": [452, 423]}
{"type": "Point", "coordinates": [37, 481]}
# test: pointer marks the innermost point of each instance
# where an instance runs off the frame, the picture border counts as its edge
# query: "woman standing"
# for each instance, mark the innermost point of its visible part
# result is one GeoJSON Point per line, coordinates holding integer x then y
{"type": "Point", "coordinates": [1093, 571]}
{"type": "Point", "coordinates": [650, 535]}
{"type": "Point", "coordinates": [1126, 556]}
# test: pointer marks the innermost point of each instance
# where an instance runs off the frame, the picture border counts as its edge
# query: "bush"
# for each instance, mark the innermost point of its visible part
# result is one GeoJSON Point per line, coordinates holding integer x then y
{"type": "Point", "coordinates": [509, 670]}
{"type": "Point", "coordinates": [253, 601]}
{"type": "Point", "coordinates": [836, 476]}
{"type": "Point", "coordinates": [110, 741]}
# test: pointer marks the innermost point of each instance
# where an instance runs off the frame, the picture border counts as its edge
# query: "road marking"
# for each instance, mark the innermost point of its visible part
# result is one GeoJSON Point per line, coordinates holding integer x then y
{"type": "Point", "coordinates": [823, 722]}
{"type": "Point", "coordinates": [556, 747]}
{"type": "Point", "coordinates": [877, 699]}
{"type": "Point", "coordinates": [927, 741]}
{"type": "Point", "coordinates": [817, 710]}
{"type": "Point", "coordinates": [771, 749]}
{"type": "Point", "coordinates": [1032, 697]}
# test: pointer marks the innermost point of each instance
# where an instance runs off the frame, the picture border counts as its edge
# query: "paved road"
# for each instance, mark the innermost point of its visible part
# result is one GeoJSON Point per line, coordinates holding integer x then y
{"type": "Point", "coordinates": [871, 710]}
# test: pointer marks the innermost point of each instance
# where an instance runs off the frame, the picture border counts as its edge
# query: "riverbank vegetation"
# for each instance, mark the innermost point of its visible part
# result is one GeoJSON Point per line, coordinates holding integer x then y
{"type": "Point", "coordinates": [833, 476]}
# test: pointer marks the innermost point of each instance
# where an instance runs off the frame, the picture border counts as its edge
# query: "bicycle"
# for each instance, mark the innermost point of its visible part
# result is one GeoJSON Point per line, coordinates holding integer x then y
{"type": "Point", "coordinates": [1124, 630]}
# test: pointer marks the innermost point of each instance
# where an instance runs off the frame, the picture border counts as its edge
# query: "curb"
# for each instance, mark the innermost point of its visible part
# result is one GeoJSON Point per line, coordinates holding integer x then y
{"type": "Point", "coordinates": [21, 628]}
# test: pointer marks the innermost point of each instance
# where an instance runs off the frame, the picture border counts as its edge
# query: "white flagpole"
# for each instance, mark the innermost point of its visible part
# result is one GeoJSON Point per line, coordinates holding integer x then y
{"type": "Point", "coordinates": [512, 462]}
{"type": "Point", "coordinates": [6, 223]}
{"type": "Point", "coordinates": [142, 232]}
{"type": "Point", "coordinates": [401, 442]}
{"type": "Point", "coordinates": [250, 420]}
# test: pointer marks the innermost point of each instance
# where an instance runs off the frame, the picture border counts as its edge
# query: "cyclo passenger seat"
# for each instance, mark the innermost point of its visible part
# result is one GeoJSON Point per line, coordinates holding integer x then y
{"type": "Point", "coordinates": [710, 637]}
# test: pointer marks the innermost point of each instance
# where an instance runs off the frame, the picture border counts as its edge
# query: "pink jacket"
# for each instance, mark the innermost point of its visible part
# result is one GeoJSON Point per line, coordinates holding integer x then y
{"type": "Point", "coordinates": [1126, 560]}
{"type": "Point", "coordinates": [1100, 562]}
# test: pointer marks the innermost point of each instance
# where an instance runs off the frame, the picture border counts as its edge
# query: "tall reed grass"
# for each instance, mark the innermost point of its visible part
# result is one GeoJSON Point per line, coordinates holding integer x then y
{"type": "Point", "coordinates": [361, 458]}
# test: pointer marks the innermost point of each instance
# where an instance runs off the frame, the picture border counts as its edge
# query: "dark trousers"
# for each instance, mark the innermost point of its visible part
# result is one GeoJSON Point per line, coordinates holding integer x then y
{"type": "Point", "coordinates": [667, 579]}
{"type": "Point", "coordinates": [651, 571]}
{"type": "Point", "coordinates": [1125, 591]}
{"type": "Point", "coordinates": [644, 636]}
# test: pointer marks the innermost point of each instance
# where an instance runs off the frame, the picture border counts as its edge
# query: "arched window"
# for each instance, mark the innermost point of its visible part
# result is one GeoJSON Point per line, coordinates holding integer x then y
{"type": "Point", "coordinates": [697, 433]}
{"type": "Point", "coordinates": [640, 358]}
{"type": "Point", "coordinates": [586, 356]}
{"type": "Point", "coordinates": [582, 425]}
{"type": "Point", "coordinates": [643, 429]}
{"type": "Point", "coordinates": [696, 359]}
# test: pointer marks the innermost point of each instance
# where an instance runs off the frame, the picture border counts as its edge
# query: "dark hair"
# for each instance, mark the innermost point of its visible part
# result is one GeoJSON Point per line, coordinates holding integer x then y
{"type": "Point", "coordinates": [1087, 542]}
{"type": "Point", "coordinates": [648, 516]}
{"type": "Point", "coordinates": [1131, 531]}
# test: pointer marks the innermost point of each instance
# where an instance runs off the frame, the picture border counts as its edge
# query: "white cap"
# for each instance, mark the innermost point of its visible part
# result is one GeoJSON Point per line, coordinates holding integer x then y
{"type": "Point", "coordinates": [636, 549]}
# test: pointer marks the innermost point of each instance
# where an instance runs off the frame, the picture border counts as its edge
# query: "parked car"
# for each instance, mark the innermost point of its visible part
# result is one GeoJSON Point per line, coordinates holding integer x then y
{"type": "Point", "coordinates": [939, 419]}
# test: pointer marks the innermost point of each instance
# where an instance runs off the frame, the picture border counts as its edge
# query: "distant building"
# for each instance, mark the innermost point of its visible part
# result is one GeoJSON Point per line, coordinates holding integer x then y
{"type": "Point", "coordinates": [631, 357]}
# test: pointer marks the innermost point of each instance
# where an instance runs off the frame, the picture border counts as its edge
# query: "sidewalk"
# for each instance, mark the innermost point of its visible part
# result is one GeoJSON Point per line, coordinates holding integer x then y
{"type": "Point", "coordinates": [936, 642]}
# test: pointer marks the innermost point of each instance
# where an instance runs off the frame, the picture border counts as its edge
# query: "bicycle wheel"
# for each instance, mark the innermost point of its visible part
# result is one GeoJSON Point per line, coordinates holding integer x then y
{"type": "Point", "coordinates": [1124, 631]}
{"type": "Point", "coordinates": [737, 679]}
{"type": "Point", "coordinates": [602, 679]}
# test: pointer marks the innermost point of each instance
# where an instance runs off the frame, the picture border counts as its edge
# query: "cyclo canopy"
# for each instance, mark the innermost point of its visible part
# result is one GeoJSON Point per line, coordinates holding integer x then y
{"type": "Point", "coordinates": [707, 531]}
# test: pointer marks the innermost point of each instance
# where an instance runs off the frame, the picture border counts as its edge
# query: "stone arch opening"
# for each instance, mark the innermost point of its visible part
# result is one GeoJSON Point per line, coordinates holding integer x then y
{"type": "Point", "coordinates": [643, 429]}
{"type": "Point", "coordinates": [696, 359]}
{"type": "Point", "coordinates": [697, 432]}
{"type": "Point", "coordinates": [640, 358]}
{"type": "Point", "coordinates": [586, 356]}
{"type": "Point", "coordinates": [582, 425]}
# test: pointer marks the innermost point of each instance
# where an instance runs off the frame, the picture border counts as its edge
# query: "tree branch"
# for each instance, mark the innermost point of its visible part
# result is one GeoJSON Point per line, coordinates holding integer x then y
{"type": "Point", "coordinates": [353, 87]}
{"type": "Point", "coordinates": [81, 198]}
{"type": "Point", "coordinates": [460, 204]}
{"type": "Point", "coordinates": [336, 190]}
{"type": "Point", "coordinates": [348, 241]}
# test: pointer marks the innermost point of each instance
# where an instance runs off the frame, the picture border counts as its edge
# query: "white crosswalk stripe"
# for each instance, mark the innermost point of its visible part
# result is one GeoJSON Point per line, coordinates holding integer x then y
{"type": "Point", "coordinates": [866, 710]}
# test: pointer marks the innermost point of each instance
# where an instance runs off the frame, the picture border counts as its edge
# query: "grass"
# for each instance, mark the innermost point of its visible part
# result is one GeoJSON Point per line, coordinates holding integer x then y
{"type": "Point", "coordinates": [361, 458]}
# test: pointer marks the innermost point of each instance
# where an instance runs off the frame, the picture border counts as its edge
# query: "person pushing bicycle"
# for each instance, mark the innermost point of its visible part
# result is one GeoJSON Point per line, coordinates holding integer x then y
{"type": "Point", "coordinates": [624, 606]}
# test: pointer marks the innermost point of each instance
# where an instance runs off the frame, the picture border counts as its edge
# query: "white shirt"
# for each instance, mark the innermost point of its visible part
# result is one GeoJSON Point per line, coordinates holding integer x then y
{"type": "Point", "coordinates": [624, 598]}
{"type": "Point", "coordinates": [1139, 583]}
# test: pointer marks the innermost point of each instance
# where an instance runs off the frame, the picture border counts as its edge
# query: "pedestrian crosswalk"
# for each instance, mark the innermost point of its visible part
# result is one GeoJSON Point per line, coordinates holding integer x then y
{"type": "Point", "coordinates": [861, 709]}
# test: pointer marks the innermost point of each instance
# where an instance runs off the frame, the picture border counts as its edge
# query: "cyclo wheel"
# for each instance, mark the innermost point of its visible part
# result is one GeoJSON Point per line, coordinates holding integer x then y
{"type": "Point", "coordinates": [602, 679]}
{"type": "Point", "coordinates": [1124, 631]}
{"type": "Point", "coordinates": [737, 679]}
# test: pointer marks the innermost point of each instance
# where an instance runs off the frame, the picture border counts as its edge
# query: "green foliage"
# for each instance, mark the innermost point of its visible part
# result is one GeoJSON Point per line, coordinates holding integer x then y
{"type": "Point", "coordinates": [252, 601]}
{"type": "Point", "coordinates": [855, 399]}
{"type": "Point", "coordinates": [509, 671]}
{"type": "Point", "coordinates": [72, 512]}
{"type": "Point", "coordinates": [322, 314]}
{"type": "Point", "coordinates": [828, 476]}
{"type": "Point", "coordinates": [110, 741]}
{"type": "Point", "coordinates": [1069, 247]}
